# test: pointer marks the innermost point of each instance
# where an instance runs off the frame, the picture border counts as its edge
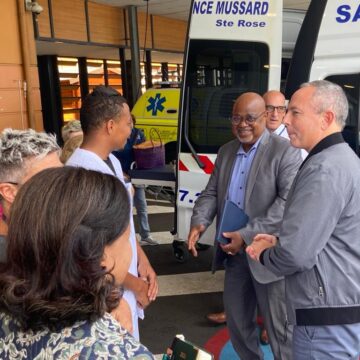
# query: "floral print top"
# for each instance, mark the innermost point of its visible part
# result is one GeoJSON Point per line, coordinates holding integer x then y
{"type": "Point", "coordinates": [102, 339]}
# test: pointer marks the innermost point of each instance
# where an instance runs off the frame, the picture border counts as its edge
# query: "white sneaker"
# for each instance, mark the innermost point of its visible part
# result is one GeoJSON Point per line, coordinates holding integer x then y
{"type": "Point", "coordinates": [148, 241]}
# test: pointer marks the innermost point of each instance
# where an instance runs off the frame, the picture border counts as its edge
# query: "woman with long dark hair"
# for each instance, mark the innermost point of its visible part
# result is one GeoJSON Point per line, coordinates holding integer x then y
{"type": "Point", "coordinates": [66, 261]}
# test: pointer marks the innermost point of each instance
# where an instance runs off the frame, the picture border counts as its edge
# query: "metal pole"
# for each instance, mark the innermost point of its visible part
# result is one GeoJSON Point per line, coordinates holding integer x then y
{"type": "Point", "coordinates": [83, 77]}
{"type": "Point", "coordinates": [135, 53]}
{"type": "Point", "coordinates": [124, 78]}
{"type": "Point", "coordinates": [148, 68]}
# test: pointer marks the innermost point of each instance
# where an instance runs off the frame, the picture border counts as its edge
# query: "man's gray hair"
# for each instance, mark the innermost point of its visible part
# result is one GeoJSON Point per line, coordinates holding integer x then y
{"type": "Point", "coordinates": [19, 146]}
{"type": "Point", "coordinates": [328, 95]}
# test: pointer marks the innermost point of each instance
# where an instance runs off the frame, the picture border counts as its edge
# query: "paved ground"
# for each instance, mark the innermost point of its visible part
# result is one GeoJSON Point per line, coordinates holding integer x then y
{"type": "Point", "coordinates": [187, 291]}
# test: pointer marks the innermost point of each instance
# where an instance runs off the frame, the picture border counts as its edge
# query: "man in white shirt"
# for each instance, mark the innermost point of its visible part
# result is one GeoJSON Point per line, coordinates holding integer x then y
{"type": "Point", "coordinates": [276, 110]}
{"type": "Point", "coordinates": [106, 122]}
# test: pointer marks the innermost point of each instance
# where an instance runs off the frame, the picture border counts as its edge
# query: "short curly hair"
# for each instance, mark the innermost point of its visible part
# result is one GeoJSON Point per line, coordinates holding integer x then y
{"type": "Point", "coordinates": [54, 275]}
{"type": "Point", "coordinates": [103, 104]}
{"type": "Point", "coordinates": [18, 146]}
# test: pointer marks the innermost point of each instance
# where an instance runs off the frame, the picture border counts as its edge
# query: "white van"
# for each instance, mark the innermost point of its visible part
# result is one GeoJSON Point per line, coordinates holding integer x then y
{"type": "Point", "coordinates": [327, 48]}
{"type": "Point", "coordinates": [235, 47]}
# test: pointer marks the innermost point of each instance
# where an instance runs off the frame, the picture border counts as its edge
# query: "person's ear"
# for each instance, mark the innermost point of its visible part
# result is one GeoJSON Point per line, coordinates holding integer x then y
{"type": "Point", "coordinates": [8, 192]}
{"type": "Point", "coordinates": [328, 119]}
{"type": "Point", "coordinates": [109, 126]}
{"type": "Point", "coordinates": [107, 260]}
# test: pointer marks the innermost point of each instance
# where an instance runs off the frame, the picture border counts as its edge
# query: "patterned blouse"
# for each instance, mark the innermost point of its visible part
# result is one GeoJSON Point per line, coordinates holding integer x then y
{"type": "Point", "coordinates": [103, 339]}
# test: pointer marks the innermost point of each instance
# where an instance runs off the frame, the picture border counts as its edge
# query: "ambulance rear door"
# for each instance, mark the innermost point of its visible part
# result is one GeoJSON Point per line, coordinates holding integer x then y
{"type": "Point", "coordinates": [330, 50]}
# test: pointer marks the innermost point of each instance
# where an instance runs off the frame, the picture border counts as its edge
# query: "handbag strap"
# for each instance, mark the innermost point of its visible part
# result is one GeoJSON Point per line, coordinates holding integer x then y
{"type": "Point", "coordinates": [152, 131]}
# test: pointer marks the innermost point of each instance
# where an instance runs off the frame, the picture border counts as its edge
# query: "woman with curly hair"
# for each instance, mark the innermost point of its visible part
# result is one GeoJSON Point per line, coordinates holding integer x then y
{"type": "Point", "coordinates": [66, 261]}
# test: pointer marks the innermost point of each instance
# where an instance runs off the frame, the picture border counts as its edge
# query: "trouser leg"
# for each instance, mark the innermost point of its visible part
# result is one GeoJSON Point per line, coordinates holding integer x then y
{"type": "Point", "coordinates": [240, 308]}
{"type": "Point", "coordinates": [141, 210]}
{"type": "Point", "coordinates": [271, 300]}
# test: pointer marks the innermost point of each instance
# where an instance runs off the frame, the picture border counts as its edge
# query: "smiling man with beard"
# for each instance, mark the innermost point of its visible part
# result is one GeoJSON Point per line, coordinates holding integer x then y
{"type": "Point", "coordinates": [254, 171]}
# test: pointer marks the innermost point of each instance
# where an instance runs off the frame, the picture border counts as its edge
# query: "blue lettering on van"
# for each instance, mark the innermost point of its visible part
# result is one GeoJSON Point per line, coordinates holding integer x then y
{"type": "Point", "coordinates": [203, 7]}
{"type": "Point", "coordinates": [224, 23]}
{"type": "Point", "coordinates": [345, 12]}
{"type": "Point", "coordinates": [156, 104]}
{"type": "Point", "coordinates": [240, 23]}
{"type": "Point", "coordinates": [243, 23]}
{"type": "Point", "coordinates": [242, 7]}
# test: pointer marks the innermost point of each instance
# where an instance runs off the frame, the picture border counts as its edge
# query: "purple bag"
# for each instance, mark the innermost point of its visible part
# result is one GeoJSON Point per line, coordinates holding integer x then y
{"type": "Point", "coordinates": [150, 154]}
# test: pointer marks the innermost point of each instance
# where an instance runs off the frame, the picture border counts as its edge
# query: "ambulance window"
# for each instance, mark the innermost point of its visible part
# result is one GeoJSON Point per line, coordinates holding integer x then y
{"type": "Point", "coordinates": [217, 73]}
{"type": "Point", "coordinates": [350, 84]}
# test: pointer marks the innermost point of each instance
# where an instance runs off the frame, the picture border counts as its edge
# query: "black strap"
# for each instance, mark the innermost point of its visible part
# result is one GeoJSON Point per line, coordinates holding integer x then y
{"type": "Point", "coordinates": [108, 162]}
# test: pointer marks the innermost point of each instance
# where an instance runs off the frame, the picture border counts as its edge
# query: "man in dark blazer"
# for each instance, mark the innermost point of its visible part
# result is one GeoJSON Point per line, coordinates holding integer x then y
{"type": "Point", "coordinates": [255, 171]}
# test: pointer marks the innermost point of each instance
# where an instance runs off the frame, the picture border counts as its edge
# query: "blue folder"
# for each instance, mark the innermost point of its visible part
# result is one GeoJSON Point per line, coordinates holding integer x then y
{"type": "Point", "coordinates": [233, 218]}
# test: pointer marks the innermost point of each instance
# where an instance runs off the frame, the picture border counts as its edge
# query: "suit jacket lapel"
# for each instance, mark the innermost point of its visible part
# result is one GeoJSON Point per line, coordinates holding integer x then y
{"type": "Point", "coordinates": [255, 166]}
{"type": "Point", "coordinates": [225, 175]}
{"type": "Point", "coordinates": [228, 169]}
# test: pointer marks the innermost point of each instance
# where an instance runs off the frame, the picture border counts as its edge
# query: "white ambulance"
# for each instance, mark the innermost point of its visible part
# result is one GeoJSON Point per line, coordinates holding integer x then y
{"type": "Point", "coordinates": [236, 46]}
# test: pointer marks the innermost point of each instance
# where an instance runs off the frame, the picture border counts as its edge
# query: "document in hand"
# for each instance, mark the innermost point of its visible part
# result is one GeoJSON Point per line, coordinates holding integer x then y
{"type": "Point", "coordinates": [233, 218]}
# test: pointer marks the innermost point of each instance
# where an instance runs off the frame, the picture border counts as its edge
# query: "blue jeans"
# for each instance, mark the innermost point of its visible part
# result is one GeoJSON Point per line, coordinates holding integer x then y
{"type": "Point", "coordinates": [337, 342]}
{"type": "Point", "coordinates": [141, 210]}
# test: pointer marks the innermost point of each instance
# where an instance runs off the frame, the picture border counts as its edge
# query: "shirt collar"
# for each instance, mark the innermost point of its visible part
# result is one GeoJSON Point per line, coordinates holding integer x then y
{"type": "Point", "coordinates": [330, 140]}
{"type": "Point", "coordinates": [280, 129]}
{"type": "Point", "coordinates": [241, 150]}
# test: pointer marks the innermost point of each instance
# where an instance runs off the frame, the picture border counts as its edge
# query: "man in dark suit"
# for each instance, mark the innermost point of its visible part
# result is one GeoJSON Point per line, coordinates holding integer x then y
{"type": "Point", "coordinates": [255, 171]}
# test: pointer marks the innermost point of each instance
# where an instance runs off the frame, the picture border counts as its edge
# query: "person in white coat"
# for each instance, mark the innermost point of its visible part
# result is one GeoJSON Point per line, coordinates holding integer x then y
{"type": "Point", "coordinates": [106, 122]}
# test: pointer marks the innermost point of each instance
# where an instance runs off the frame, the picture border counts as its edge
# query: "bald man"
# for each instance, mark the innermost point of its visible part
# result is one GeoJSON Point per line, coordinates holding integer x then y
{"type": "Point", "coordinates": [254, 171]}
{"type": "Point", "coordinates": [276, 110]}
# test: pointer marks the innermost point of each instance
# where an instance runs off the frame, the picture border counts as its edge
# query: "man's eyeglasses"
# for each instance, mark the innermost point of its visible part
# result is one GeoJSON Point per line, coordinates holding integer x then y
{"type": "Point", "coordinates": [280, 109]}
{"type": "Point", "coordinates": [249, 119]}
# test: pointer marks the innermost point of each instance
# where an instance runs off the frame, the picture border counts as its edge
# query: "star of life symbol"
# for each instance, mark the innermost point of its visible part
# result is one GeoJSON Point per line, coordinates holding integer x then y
{"type": "Point", "coordinates": [156, 104]}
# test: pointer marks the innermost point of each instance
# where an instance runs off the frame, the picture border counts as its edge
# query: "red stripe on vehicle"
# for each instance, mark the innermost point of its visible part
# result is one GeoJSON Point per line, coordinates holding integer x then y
{"type": "Point", "coordinates": [209, 166]}
{"type": "Point", "coordinates": [182, 167]}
